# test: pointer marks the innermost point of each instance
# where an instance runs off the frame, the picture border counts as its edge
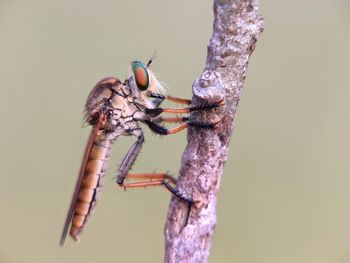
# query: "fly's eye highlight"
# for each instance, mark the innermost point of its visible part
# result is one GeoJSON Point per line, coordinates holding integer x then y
{"type": "Point", "coordinates": [141, 75]}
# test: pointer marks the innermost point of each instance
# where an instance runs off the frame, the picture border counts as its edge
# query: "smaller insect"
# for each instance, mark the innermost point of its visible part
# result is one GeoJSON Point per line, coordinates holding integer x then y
{"type": "Point", "coordinates": [116, 108]}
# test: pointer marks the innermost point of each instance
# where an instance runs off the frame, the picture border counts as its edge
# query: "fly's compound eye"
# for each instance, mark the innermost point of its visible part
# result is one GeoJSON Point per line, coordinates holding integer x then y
{"type": "Point", "coordinates": [141, 75]}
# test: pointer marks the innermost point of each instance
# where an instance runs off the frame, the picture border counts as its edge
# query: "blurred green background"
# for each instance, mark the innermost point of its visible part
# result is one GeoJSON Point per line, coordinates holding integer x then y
{"type": "Point", "coordinates": [285, 194]}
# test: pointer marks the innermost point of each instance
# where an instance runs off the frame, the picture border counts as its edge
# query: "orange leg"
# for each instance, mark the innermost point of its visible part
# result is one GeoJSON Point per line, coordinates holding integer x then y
{"type": "Point", "coordinates": [170, 120]}
{"type": "Point", "coordinates": [158, 128]}
{"type": "Point", "coordinates": [184, 110]}
{"type": "Point", "coordinates": [156, 111]}
{"type": "Point", "coordinates": [152, 177]}
{"type": "Point", "coordinates": [178, 100]}
{"type": "Point", "coordinates": [142, 184]}
{"type": "Point", "coordinates": [161, 130]}
{"type": "Point", "coordinates": [178, 128]}
{"type": "Point", "coordinates": [161, 179]}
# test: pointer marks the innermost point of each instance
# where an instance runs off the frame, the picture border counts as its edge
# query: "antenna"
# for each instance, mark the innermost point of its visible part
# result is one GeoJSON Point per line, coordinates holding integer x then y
{"type": "Point", "coordinates": [153, 57]}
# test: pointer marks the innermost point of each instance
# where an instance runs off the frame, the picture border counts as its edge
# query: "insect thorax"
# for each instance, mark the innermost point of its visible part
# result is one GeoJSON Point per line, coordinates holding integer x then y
{"type": "Point", "coordinates": [119, 103]}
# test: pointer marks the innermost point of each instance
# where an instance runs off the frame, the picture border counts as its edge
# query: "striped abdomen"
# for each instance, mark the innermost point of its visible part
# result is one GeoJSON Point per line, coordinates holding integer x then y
{"type": "Point", "coordinates": [91, 185]}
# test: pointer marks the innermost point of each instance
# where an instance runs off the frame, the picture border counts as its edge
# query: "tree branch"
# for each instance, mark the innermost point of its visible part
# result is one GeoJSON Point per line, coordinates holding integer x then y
{"type": "Point", "coordinates": [237, 26]}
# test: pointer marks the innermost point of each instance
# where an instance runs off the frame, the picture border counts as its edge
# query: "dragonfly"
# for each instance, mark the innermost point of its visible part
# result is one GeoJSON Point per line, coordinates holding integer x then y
{"type": "Point", "coordinates": [114, 109]}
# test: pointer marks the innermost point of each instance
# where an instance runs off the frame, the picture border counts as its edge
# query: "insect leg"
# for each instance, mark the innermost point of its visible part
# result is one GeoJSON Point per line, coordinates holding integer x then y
{"type": "Point", "coordinates": [156, 111]}
{"type": "Point", "coordinates": [161, 179]}
{"type": "Point", "coordinates": [152, 177]}
{"type": "Point", "coordinates": [158, 98]}
{"type": "Point", "coordinates": [159, 129]}
{"type": "Point", "coordinates": [161, 98]}
{"type": "Point", "coordinates": [178, 100]}
{"type": "Point", "coordinates": [130, 157]}
{"type": "Point", "coordinates": [156, 95]}
{"type": "Point", "coordinates": [161, 119]}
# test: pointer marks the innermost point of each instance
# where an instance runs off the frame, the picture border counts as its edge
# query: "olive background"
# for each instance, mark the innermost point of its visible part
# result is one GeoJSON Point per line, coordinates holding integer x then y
{"type": "Point", "coordinates": [285, 193]}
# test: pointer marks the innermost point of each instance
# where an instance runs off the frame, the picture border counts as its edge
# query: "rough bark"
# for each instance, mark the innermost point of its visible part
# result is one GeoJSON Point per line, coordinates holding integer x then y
{"type": "Point", "coordinates": [237, 26]}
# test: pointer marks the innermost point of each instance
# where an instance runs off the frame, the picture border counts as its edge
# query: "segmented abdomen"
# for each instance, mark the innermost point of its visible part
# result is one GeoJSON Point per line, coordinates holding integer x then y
{"type": "Point", "coordinates": [91, 185]}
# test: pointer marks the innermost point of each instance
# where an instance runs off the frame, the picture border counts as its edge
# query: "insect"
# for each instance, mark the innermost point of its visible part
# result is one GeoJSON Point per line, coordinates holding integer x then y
{"type": "Point", "coordinates": [113, 109]}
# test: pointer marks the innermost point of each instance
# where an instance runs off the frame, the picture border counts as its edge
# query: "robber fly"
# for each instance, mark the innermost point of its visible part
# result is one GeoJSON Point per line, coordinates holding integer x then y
{"type": "Point", "coordinates": [116, 108]}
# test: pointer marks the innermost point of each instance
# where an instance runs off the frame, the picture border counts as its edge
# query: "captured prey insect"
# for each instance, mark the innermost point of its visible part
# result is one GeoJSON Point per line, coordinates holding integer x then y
{"type": "Point", "coordinates": [116, 108]}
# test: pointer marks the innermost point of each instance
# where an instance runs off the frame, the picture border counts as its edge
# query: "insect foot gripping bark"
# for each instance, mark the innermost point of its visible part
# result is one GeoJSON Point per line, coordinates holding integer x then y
{"type": "Point", "coordinates": [116, 108]}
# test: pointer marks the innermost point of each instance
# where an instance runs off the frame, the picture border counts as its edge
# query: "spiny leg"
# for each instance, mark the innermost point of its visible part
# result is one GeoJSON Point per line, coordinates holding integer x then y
{"type": "Point", "coordinates": [152, 176]}
{"type": "Point", "coordinates": [161, 119]}
{"type": "Point", "coordinates": [157, 179]}
{"type": "Point", "coordinates": [130, 157]}
{"type": "Point", "coordinates": [187, 200]}
{"type": "Point", "coordinates": [162, 180]}
{"type": "Point", "coordinates": [156, 111]}
{"type": "Point", "coordinates": [161, 130]}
